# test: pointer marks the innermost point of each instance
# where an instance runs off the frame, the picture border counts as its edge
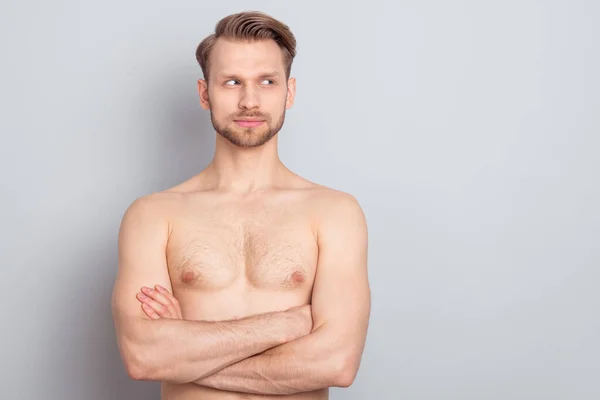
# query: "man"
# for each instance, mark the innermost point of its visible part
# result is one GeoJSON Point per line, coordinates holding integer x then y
{"type": "Point", "coordinates": [246, 280]}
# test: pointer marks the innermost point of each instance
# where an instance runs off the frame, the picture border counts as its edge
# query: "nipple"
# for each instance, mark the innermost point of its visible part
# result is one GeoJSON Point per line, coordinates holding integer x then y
{"type": "Point", "coordinates": [188, 276]}
{"type": "Point", "coordinates": [298, 277]}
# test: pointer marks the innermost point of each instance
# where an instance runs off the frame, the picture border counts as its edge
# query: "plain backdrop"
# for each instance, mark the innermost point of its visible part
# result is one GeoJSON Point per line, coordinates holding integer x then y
{"type": "Point", "coordinates": [468, 131]}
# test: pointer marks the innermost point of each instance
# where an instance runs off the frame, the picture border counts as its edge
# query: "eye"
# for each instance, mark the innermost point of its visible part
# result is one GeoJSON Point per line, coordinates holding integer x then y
{"type": "Point", "coordinates": [231, 82]}
{"type": "Point", "coordinates": [268, 82]}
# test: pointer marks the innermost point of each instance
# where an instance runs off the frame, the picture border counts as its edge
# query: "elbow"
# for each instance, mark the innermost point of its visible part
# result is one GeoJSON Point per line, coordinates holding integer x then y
{"type": "Point", "coordinates": [140, 368]}
{"type": "Point", "coordinates": [142, 364]}
{"type": "Point", "coordinates": [138, 359]}
{"type": "Point", "coordinates": [140, 354]}
{"type": "Point", "coordinates": [345, 378]}
{"type": "Point", "coordinates": [136, 371]}
{"type": "Point", "coordinates": [346, 371]}
{"type": "Point", "coordinates": [135, 364]}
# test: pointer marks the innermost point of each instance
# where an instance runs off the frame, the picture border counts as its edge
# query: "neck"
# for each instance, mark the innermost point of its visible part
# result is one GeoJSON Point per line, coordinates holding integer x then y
{"type": "Point", "coordinates": [245, 170]}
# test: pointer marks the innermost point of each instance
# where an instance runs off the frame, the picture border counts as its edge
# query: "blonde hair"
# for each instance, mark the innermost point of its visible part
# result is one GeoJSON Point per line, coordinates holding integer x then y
{"type": "Point", "coordinates": [249, 25]}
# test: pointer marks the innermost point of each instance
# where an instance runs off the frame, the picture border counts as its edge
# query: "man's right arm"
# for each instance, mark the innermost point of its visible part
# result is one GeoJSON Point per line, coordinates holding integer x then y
{"type": "Point", "coordinates": [171, 350]}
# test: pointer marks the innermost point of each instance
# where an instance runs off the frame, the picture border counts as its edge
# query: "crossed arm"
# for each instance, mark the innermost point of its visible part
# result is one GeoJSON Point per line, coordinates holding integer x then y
{"type": "Point", "coordinates": [328, 355]}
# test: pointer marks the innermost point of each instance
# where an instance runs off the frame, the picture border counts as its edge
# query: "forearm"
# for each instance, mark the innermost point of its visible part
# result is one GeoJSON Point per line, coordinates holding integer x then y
{"type": "Point", "coordinates": [183, 351]}
{"type": "Point", "coordinates": [306, 364]}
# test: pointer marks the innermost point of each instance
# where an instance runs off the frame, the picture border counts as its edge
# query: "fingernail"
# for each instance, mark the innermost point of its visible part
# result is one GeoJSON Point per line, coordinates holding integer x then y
{"type": "Point", "coordinates": [146, 290]}
{"type": "Point", "coordinates": [142, 296]}
{"type": "Point", "coordinates": [160, 288]}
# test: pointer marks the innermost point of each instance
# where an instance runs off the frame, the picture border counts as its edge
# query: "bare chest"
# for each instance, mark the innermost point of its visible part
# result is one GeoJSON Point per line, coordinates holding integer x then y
{"type": "Point", "coordinates": [269, 251]}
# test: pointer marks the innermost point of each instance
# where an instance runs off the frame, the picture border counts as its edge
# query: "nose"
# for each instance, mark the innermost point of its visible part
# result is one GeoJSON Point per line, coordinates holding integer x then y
{"type": "Point", "coordinates": [249, 98]}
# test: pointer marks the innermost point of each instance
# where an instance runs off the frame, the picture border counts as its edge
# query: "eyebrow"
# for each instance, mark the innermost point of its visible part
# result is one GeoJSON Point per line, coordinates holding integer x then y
{"type": "Point", "coordinates": [262, 75]}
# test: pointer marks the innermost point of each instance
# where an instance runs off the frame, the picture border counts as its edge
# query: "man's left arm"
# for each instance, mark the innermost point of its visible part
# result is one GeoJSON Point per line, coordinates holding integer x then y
{"type": "Point", "coordinates": [341, 301]}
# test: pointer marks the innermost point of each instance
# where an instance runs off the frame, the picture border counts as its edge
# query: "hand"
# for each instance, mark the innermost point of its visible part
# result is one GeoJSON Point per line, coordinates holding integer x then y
{"type": "Point", "coordinates": [158, 303]}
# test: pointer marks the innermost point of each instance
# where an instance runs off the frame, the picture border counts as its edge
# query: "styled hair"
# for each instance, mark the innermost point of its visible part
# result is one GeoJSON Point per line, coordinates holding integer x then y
{"type": "Point", "coordinates": [249, 26]}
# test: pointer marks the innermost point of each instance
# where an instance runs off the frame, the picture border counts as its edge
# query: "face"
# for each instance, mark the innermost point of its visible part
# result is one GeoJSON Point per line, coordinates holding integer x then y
{"type": "Point", "coordinates": [247, 92]}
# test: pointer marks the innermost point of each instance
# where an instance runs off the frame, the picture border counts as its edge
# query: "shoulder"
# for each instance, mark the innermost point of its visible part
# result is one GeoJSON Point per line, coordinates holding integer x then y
{"type": "Point", "coordinates": [329, 200]}
{"type": "Point", "coordinates": [335, 209]}
{"type": "Point", "coordinates": [339, 223]}
{"type": "Point", "coordinates": [150, 210]}
{"type": "Point", "coordinates": [154, 203]}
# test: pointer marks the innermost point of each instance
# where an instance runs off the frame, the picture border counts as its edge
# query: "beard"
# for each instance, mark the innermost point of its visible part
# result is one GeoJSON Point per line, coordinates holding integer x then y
{"type": "Point", "coordinates": [248, 137]}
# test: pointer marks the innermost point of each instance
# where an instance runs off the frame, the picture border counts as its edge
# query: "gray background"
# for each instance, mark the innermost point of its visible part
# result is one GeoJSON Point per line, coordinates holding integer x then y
{"type": "Point", "coordinates": [468, 130]}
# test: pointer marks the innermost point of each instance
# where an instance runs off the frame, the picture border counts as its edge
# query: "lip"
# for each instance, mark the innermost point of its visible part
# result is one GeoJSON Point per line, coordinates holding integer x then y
{"type": "Point", "coordinates": [249, 122]}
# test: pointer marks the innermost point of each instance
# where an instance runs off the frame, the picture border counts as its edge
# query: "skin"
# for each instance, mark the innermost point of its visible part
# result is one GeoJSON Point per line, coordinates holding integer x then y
{"type": "Point", "coordinates": [246, 281]}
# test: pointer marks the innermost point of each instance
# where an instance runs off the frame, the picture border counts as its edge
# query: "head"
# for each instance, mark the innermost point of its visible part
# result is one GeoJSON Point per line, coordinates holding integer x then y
{"type": "Point", "coordinates": [247, 86]}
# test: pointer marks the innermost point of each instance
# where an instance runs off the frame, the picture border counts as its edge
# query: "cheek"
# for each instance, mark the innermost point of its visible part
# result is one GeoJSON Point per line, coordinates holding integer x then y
{"type": "Point", "coordinates": [221, 106]}
{"type": "Point", "coordinates": [274, 104]}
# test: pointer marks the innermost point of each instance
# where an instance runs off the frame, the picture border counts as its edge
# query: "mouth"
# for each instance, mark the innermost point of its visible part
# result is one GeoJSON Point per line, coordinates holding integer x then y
{"type": "Point", "coordinates": [249, 122]}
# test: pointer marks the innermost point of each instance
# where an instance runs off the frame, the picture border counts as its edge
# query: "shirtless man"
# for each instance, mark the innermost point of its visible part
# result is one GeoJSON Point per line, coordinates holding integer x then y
{"type": "Point", "coordinates": [246, 280]}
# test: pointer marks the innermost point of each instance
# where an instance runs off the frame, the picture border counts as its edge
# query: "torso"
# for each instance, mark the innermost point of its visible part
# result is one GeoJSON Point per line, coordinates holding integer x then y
{"type": "Point", "coordinates": [232, 256]}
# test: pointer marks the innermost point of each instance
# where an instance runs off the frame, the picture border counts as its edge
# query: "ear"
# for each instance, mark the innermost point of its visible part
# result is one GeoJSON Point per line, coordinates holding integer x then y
{"type": "Point", "coordinates": [291, 93]}
{"type": "Point", "coordinates": [203, 93]}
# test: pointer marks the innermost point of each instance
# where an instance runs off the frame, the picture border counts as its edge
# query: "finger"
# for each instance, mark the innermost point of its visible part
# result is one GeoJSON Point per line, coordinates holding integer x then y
{"type": "Point", "coordinates": [149, 311]}
{"type": "Point", "coordinates": [157, 295]}
{"type": "Point", "coordinates": [174, 306]}
{"type": "Point", "coordinates": [173, 299]}
{"type": "Point", "coordinates": [160, 298]}
{"type": "Point", "coordinates": [156, 306]}
{"type": "Point", "coordinates": [167, 294]}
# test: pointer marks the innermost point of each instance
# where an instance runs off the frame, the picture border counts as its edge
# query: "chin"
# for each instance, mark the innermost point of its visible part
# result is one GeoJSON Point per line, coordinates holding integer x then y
{"type": "Point", "coordinates": [246, 138]}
